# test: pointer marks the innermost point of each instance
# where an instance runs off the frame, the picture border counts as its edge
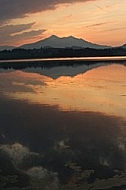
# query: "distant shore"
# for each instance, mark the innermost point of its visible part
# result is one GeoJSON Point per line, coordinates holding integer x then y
{"type": "Point", "coordinates": [54, 62]}
{"type": "Point", "coordinates": [60, 53]}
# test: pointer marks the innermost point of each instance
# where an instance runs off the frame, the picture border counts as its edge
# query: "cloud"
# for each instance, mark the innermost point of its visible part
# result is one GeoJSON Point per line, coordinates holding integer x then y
{"type": "Point", "coordinates": [97, 24]}
{"type": "Point", "coordinates": [23, 37]}
{"type": "Point", "coordinates": [12, 29]}
{"type": "Point", "coordinates": [20, 32]}
{"type": "Point", "coordinates": [10, 9]}
{"type": "Point", "coordinates": [100, 8]}
{"type": "Point", "coordinates": [29, 34]}
{"type": "Point", "coordinates": [116, 29]}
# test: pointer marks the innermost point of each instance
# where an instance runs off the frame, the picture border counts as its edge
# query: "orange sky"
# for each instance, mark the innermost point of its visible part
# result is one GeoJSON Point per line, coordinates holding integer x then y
{"type": "Point", "coordinates": [97, 21]}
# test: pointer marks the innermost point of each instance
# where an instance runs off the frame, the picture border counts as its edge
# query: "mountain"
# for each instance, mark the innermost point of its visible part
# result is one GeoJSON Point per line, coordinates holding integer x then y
{"type": "Point", "coordinates": [6, 48]}
{"type": "Point", "coordinates": [124, 46]}
{"type": "Point", "coordinates": [65, 42]}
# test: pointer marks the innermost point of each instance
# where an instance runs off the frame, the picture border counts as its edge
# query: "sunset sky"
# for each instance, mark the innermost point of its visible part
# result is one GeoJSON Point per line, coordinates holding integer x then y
{"type": "Point", "coordinates": [97, 21]}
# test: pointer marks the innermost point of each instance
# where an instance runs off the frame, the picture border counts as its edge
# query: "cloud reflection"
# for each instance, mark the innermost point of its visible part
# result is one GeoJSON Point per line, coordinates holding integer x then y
{"type": "Point", "coordinates": [16, 152]}
{"type": "Point", "coordinates": [50, 139]}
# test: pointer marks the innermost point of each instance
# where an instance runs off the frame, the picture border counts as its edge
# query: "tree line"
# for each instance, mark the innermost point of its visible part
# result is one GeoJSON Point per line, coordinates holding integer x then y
{"type": "Point", "coordinates": [19, 53]}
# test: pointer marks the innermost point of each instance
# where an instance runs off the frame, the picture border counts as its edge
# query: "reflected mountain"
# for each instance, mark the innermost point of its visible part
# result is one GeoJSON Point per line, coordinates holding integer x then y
{"type": "Point", "coordinates": [55, 69]}
{"type": "Point", "coordinates": [56, 72]}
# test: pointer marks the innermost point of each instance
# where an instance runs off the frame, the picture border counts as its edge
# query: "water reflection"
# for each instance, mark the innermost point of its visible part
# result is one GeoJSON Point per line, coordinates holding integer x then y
{"type": "Point", "coordinates": [101, 89]}
{"type": "Point", "coordinates": [41, 140]}
{"type": "Point", "coordinates": [66, 132]}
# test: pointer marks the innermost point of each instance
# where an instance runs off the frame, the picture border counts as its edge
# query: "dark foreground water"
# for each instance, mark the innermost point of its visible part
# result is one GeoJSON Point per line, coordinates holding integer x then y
{"type": "Point", "coordinates": [63, 126]}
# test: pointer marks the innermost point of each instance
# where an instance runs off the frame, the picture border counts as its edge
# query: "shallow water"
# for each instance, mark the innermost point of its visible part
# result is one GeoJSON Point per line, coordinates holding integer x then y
{"type": "Point", "coordinates": [64, 125]}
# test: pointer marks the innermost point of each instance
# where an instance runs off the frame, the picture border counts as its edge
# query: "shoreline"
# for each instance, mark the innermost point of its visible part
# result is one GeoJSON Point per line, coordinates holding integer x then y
{"type": "Point", "coordinates": [97, 58]}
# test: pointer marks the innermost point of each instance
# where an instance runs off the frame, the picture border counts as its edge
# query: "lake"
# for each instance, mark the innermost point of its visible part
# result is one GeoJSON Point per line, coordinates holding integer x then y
{"type": "Point", "coordinates": [63, 124]}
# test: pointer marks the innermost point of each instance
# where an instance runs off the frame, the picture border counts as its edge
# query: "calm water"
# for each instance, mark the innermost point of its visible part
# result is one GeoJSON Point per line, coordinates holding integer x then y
{"type": "Point", "coordinates": [63, 126]}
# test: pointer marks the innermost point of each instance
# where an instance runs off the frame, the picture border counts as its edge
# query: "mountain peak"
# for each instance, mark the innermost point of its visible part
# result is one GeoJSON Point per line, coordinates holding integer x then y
{"type": "Point", "coordinates": [53, 36]}
{"type": "Point", "coordinates": [61, 38]}
{"type": "Point", "coordinates": [63, 42]}
{"type": "Point", "coordinates": [71, 37]}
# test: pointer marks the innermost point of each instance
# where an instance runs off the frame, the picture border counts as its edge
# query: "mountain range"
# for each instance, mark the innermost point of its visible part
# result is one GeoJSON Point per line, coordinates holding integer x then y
{"type": "Point", "coordinates": [57, 42]}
